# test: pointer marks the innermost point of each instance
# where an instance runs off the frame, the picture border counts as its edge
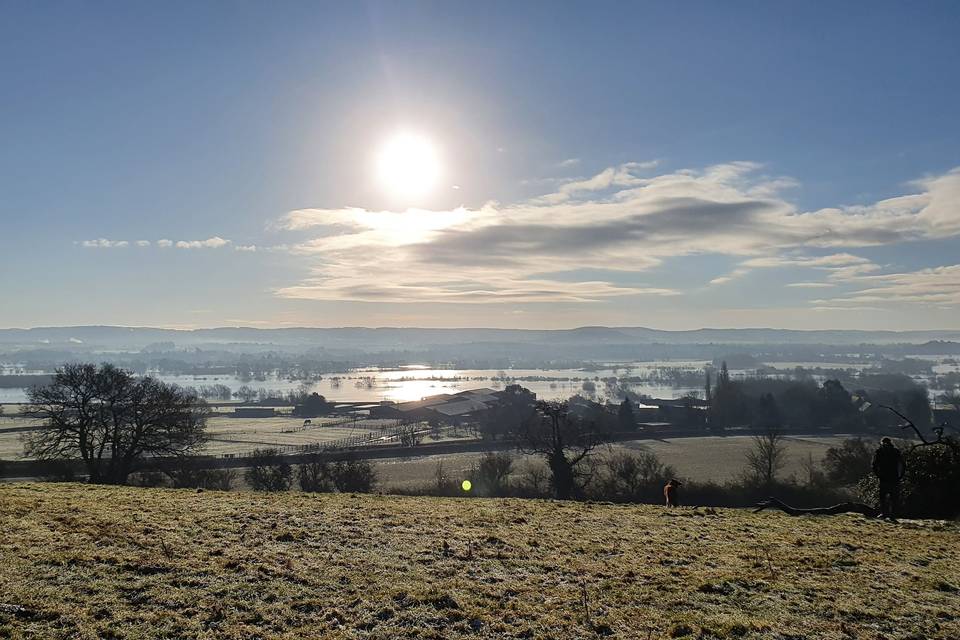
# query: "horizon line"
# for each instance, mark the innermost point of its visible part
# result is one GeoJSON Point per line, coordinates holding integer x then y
{"type": "Point", "coordinates": [470, 328]}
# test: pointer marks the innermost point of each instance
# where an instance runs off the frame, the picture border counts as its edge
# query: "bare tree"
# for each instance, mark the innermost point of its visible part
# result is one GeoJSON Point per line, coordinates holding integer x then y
{"type": "Point", "coordinates": [409, 434]}
{"type": "Point", "coordinates": [767, 457]}
{"type": "Point", "coordinates": [112, 420]}
{"type": "Point", "coordinates": [564, 441]}
{"type": "Point", "coordinates": [245, 393]}
{"type": "Point", "coordinates": [628, 475]}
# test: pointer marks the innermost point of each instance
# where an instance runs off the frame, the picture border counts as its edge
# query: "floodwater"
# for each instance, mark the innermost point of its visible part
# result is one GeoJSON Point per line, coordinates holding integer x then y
{"type": "Point", "coordinates": [414, 382]}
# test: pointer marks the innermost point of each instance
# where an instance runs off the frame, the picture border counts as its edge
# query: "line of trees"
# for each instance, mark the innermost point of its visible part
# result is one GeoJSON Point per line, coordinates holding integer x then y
{"type": "Point", "coordinates": [766, 403]}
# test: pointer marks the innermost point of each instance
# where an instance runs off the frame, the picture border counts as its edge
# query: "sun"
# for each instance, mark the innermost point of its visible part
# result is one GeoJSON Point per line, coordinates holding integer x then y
{"type": "Point", "coordinates": [408, 165]}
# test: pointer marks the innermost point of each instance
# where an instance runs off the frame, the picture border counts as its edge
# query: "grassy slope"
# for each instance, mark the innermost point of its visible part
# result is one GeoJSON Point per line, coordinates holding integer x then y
{"type": "Point", "coordinates": [84, 561]}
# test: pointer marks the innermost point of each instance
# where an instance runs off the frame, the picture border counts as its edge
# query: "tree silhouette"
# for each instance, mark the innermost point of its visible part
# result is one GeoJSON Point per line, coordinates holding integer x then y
{"type": "Point", "coordinates": [112, 420]}
{"type": "Point", "coordinates": [767, 457]}
{"type": "Point", "coordinates": [564, 441]}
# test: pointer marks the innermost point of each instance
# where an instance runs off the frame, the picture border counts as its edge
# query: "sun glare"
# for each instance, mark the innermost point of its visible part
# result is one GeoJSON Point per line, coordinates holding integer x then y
{"type": "Point", "coordinates": [408, 165]}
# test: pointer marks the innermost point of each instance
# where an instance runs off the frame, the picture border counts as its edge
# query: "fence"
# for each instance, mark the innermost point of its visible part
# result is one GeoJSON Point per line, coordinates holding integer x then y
{"type": "Point", "coordinates": [386, 436]}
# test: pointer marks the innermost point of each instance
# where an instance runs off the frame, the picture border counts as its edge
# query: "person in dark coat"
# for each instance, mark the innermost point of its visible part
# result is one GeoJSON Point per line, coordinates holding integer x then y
{"type": "Point", "coordinates": [889, 467]}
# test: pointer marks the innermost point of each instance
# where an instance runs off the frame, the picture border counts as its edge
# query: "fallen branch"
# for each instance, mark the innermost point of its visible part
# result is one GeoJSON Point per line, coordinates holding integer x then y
{"type": "Point", "coordinates": [843, 507]}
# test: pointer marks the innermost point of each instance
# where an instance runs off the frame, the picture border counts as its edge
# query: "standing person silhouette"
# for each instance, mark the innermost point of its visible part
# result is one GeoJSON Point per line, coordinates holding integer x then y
{"type": "Point", "coordinates": [889, 467]}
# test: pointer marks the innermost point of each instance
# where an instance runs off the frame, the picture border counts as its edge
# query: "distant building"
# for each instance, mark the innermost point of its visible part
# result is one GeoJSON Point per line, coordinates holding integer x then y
{"type": "Point", "coordinates": [254, 412]}
{"type": "Point", "coordinates": [445, 407]}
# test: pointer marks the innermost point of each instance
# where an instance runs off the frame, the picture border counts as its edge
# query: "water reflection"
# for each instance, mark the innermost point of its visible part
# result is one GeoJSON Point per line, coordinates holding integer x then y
{"type": "Point", "coordinates": [413, 382]}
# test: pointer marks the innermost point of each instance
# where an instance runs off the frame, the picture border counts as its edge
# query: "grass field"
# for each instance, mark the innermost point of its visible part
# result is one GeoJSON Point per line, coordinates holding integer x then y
{"type": "Point", "coordinates": [99, 562]}
{"type": "Point", "coordinates": [233, 435]}
{"type": "Point", "coordinates": [720, 459]}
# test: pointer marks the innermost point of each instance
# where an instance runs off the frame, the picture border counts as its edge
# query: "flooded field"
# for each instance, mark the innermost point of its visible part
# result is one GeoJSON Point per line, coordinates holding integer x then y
{"type": "Point", "coordinates": [659, 379]}
{"type": "Point", "coordinates": [414, 382]}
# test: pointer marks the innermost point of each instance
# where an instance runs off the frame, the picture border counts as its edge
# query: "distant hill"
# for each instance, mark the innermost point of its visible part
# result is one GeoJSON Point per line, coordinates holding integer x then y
{"type": "Point", "coordinates": [89, 561]}
{"type": "Point", "coordinates": [380, 338]}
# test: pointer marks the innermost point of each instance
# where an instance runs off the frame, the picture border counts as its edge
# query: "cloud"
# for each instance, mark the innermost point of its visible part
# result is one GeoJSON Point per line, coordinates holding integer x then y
{"type": "Point", "coordinates": [215, 242]}
{"type": "Point", "coordinates": [936, 285]}
{"type": "Point", "coordinates": [618, 221]}
{"type": "Point", "coordinates": [569, 162]}
{"type": "Point", "coordinates": [733, 275]}
{"type": "Point", "coordinates": [210, 243]}
{"type": "Point", "coordinates": [623, 175]}
{"type": "Point", "coordinates": [245, 247]}
{"type": "Point", "coordinates": [810, 285]}
{"type": "Point", "coordinates": [103, 243]}
{"type": "Point", "coordinates": [841, 266]}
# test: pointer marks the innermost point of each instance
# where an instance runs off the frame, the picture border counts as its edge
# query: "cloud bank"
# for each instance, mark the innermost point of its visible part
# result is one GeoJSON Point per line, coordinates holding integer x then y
{"type": "Point", "coordinates": [621, 223]}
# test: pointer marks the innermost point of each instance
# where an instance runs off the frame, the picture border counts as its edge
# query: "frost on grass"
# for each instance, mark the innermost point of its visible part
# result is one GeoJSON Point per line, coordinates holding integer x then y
{"type": "Point", "coordinates": [99, 562]}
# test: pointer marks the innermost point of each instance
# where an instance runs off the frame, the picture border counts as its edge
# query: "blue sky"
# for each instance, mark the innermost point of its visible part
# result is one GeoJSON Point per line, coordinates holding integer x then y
{"type": "Point", "coordinates": [659, 164]}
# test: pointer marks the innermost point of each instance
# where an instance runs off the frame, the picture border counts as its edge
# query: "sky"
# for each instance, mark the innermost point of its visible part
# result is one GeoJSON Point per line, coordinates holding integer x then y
{"type": "Point", "coordinates": [670, 165]}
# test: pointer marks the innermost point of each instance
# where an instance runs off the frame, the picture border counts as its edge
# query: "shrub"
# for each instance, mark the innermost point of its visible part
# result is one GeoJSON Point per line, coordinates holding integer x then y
{"type": "Point", "coordinates": [849, 463]}
{"type": "Point", "coordinates": [632, 477]}
{"type": "Point", "coordinates": [534, 480]}
{"type": "Point", "coordinates": [491, 474]}
{"type": "Point", "coordinates": [314, 476]}
{"type": "Point", "coordinates": [268, 471]}
{"type": "Point", "coordinates": [190, 473]}
{"type": "Point", "coordinates": [354, 476]}
{"type": "Point", "coordinates": [347, 475]}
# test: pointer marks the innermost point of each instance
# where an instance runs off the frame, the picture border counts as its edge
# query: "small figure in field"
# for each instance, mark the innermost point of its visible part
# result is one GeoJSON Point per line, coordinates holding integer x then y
{"type": "Point", "coordinates": [671, 493]}
{"type": "Point", "coordinates": [889, 467]}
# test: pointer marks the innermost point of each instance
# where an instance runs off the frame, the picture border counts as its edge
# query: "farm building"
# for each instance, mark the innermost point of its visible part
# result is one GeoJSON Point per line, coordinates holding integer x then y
{"type": "Point", "coordinates": [445, 407]}
{"type": "Point", "coordinates": [254, 412]}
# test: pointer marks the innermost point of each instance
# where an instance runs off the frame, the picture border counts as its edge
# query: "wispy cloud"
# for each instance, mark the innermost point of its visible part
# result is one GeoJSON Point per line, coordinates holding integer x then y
{"type": "Point", "coordinates": [215, 242]}
{"type": "Point", "coordinates": [618, 221]}
{"type": "Point", "coordinates": [730, 277]}
{"type": "Point", "coordinates": [210, 243]}
{"type": "Point", "coordinates": [103, 243]}
{"type": "Point", "coordinates": [624, 175]}
{"type": "Point", "coordinates": [840, 266]}
{"type": "Point", "coordinates": [936, 285]}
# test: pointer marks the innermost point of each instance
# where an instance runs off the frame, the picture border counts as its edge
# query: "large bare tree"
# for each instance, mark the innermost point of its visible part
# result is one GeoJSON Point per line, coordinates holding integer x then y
{"type": "Point", "coordinates": [112, 420]}
{"type": "Point", "coordinates": [564, 440]}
